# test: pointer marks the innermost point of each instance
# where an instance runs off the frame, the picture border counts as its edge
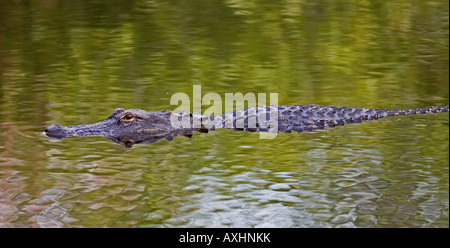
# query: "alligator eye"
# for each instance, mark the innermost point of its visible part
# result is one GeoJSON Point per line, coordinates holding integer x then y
{"type": "Point", "coordinates": [128, 117]}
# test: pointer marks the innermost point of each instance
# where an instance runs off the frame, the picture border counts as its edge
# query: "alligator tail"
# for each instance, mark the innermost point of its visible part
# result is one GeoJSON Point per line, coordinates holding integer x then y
{"type": "Point", "coordinates": [308, 118]}
{"type": "Point", "coordinates": [434, 109]}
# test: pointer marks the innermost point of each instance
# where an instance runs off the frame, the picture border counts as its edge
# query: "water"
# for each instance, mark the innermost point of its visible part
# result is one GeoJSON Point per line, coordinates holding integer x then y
{"type": "Point", "coordinates": [73, 62]}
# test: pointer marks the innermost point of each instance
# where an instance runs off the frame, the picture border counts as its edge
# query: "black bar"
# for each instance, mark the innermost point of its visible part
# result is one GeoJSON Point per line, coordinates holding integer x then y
{"type": "Point", "coordinates": [227, 237]}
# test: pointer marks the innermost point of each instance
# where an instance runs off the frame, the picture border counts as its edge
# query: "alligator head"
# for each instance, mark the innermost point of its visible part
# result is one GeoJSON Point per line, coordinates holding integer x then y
{"type": "Point", "coordinates": [125, 127]}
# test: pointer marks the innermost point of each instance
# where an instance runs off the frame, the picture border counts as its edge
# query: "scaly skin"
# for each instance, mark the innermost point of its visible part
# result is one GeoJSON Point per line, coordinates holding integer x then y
{"type": "Point", "coordinates": [129, 127]}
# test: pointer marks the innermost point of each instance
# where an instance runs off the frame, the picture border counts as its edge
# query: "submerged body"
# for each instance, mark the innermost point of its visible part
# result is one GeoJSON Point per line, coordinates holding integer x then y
{"type": "Point", "coordinates": [136, 126]}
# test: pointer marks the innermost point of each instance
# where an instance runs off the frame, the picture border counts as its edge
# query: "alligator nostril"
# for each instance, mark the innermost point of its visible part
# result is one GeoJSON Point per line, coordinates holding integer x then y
{"type": "Point", "coordinates": [53, 128]}
{"type": "Point", "coordinates": [55, 132]}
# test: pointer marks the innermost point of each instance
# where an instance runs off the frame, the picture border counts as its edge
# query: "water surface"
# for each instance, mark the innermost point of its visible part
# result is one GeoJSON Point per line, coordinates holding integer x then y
{"type": "Point", "coordinates": [74, 62]}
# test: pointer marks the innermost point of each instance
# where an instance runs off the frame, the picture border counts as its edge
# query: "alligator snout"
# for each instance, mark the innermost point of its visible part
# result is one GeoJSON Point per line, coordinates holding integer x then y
{"type": "Point", "coordinates": [56, 132]}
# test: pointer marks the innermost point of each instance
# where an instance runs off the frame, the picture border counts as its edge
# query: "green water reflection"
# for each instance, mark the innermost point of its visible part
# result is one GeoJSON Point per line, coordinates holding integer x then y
{"type": "Point", "coordinates": [73, 62]}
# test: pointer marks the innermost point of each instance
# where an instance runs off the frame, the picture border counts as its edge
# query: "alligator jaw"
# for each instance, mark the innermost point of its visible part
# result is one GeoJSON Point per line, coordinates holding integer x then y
{"type": "Point", "coordinates": [61, 132]}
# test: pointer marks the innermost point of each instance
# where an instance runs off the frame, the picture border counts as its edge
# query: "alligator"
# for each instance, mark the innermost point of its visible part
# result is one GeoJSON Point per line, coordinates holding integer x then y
{"type": "Point", "coordinates": [136, 126]}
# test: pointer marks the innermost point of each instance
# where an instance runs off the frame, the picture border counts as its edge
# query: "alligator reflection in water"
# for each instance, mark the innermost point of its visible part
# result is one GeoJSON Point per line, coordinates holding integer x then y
{"type": "Point", "coordinates": [136, 126]}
